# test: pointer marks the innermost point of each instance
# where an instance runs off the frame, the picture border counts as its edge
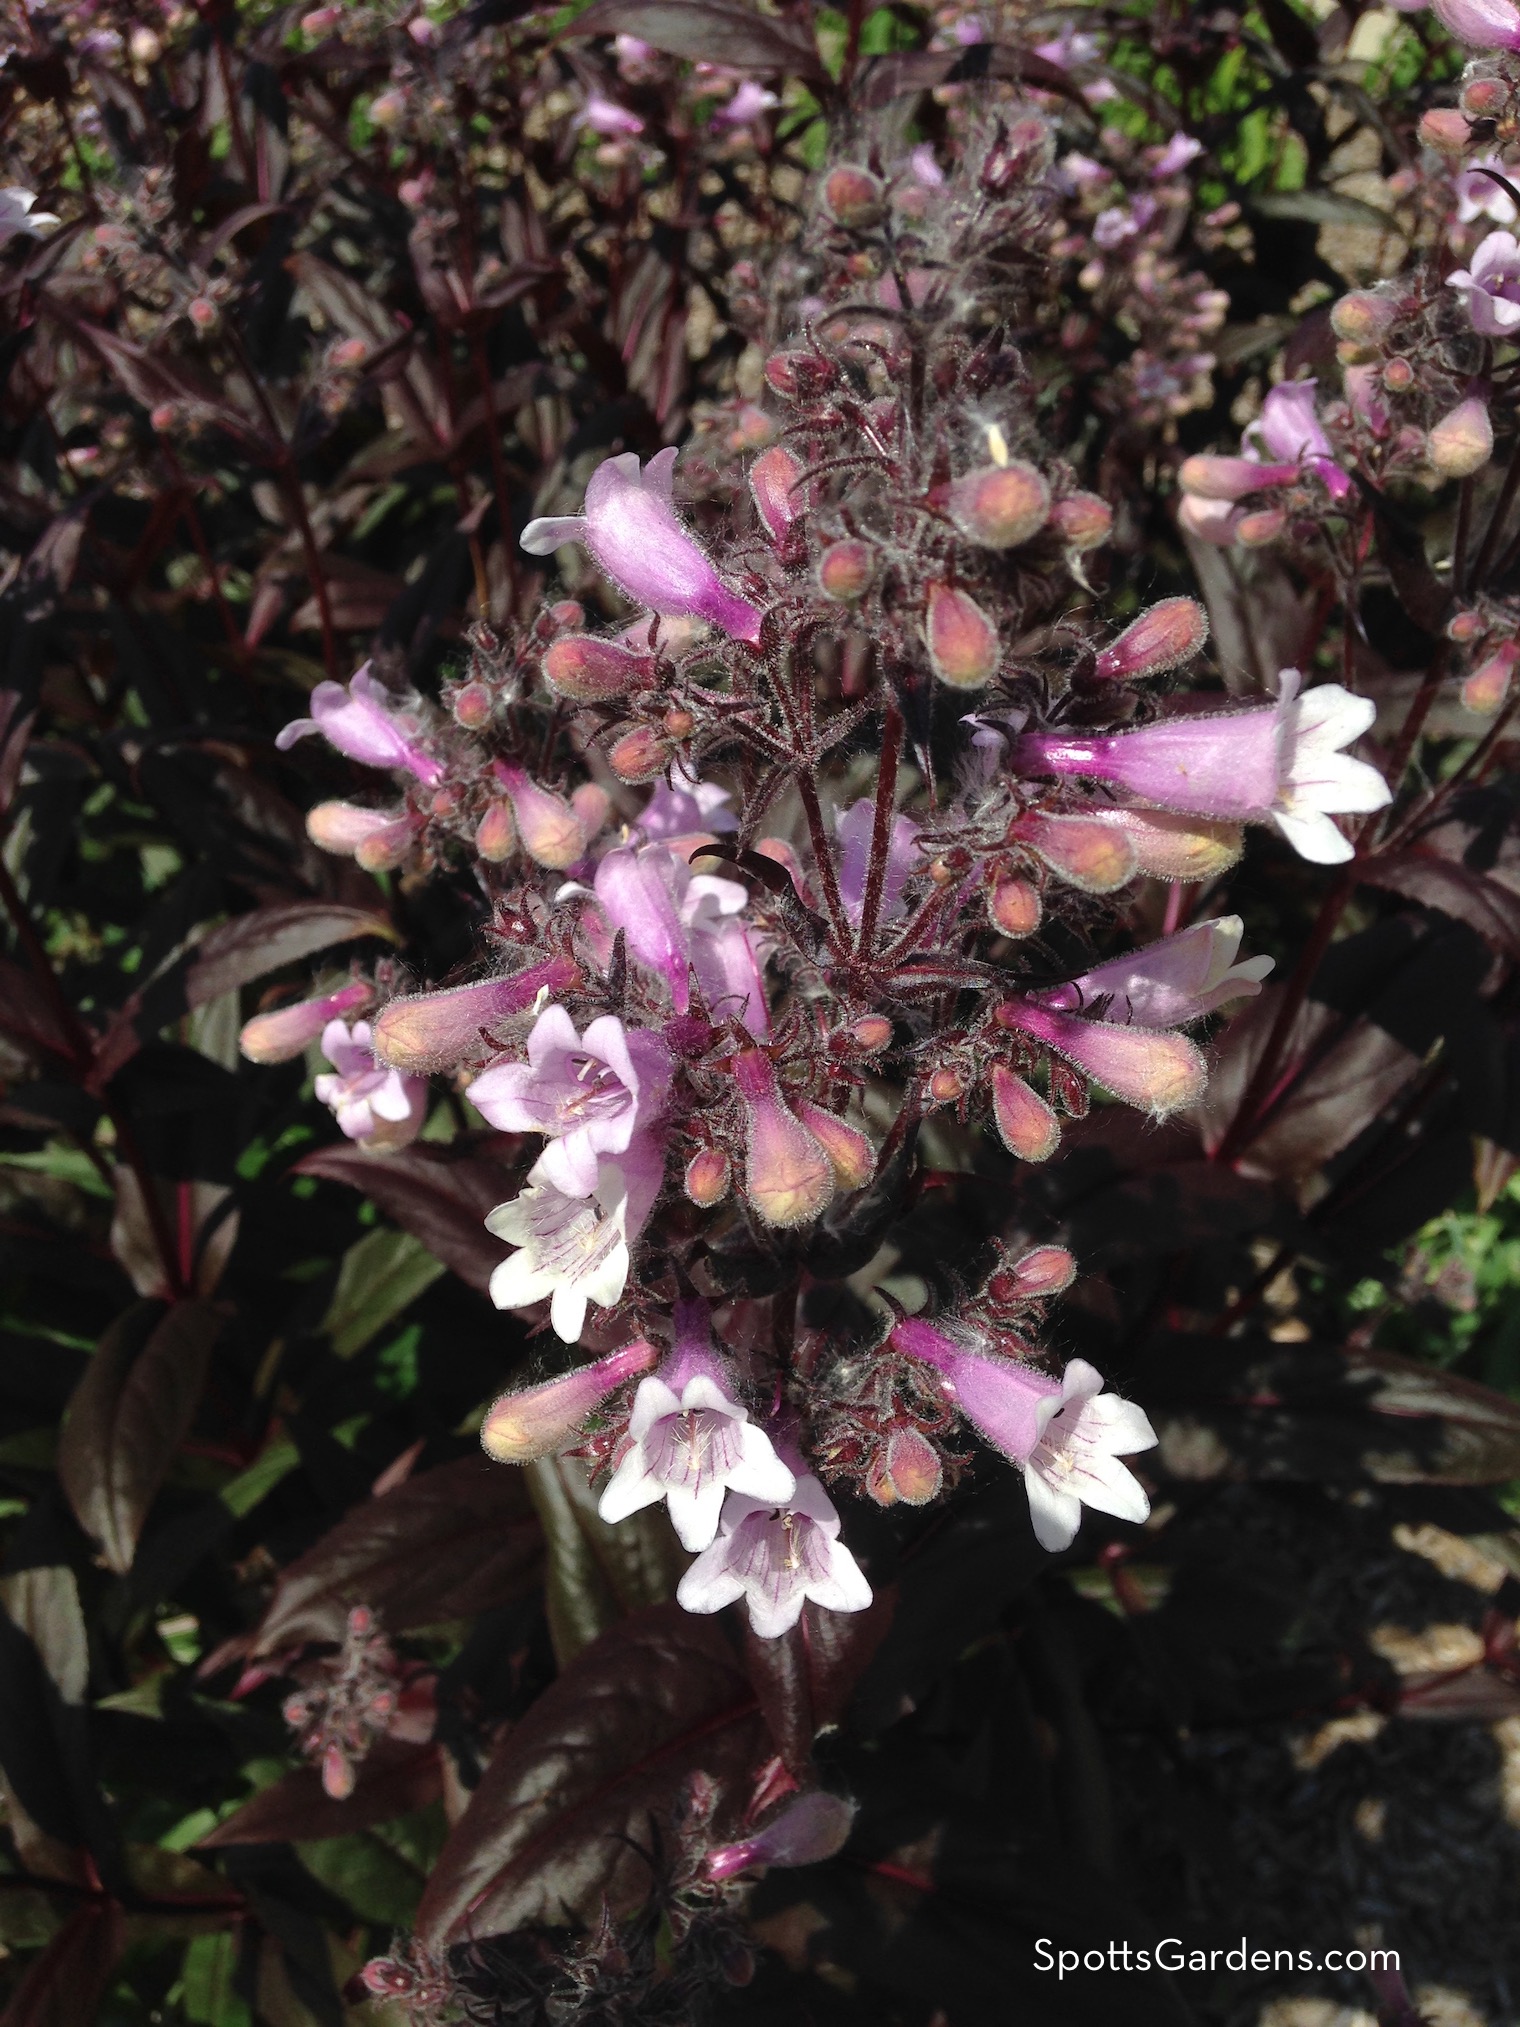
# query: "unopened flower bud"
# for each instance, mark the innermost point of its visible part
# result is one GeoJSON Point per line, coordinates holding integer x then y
{"type": "Point", "coordinates": [1231, 478]}
{"type": "Point", "coordinates": [844, 571]}
{"type": "Point", "coordinates": [566, 615]}
{"type": "Point", "coordinates": [1014, 906]}
{"type": "Point", "coordinates": [1000, 505]}
{"type": "Point", "coordinates": [472, 707]}
{"type": "Point", "coordinates": [435, 1030]}
{"type": "Point", "coordinates": [852, 196]}
{"type": "Point", "coordinates": [1086, 852]}
{"type": "Point", "coordinates": [1260, 530]}
{"type": "Point", "coordinates": [202, 312]}
{"type": "Point", "coordinates": [1445, 130]}
{"type": "Point", "coordinates": [341, 827]}
{"type": "Point", "coordinates": [1363, 318]}
{"type": "Point", "coordinates": [907, 1468]}
{"type": "Point", "coordinates": [850, 1154]}
{"type": "Point", "coordinates": [1462, 442]}
{"type": "Point", "coordinates": [339, 1774]}
{"type": "Point", "coordinates": [678, 722]}
{"type": "Point", "coordinates": [708, 1178]}
{"type": "Point", "coordinates": [591, 671]}
{"type": "Point", "coordinates": [496, 834]}
{"type": "Point", "coordinates": [1082, 520]}
{"type": "Point", "coordinates": [277, 1037]}
{"type": "Point", "coordinates": [1488, 686]}
{"type": "Point", "coordinates": [592, 805]}
{"type": "Point", "coordinates": [381, 851]}
{"type": "Point", "coordinates": [809, 1829]}
{"type": "Point", "coordinates": [535, 1421]}
{"type": "Point", "coordinates": [773, 483]}
{"type": "Point", "coordinates": [871, 1032]}
{"type": "Point", "coordinates": [1025, 1123]}
{"type": "Point", "coordinates": [1044, 1270]}
{"type": "Point", "coordinates": [1152, 1069]}
{"type": "Point", "coordinates": [946, 1086]}
{"type": "Point", "coordinates": [1482, 98]}
{"type": "Point", "coordinates": [798, 375]}
{"type": "Point", "coordinates": [1466, 626]}
{"type": "Point", "coordinates": [1172, 847]}
{"type": "Point", "coordinates": [1161, 638]}
{"type": "Point", "coordinates": [640, 755]}
{"type": "Point", "coordinates": [551, 833]}
{"type": "Point", "coordinates": [788, 1176]}
{"type": "Point", "coordinates": [753, 429]}
{"type": "Point", "coordinates": [962, 640]}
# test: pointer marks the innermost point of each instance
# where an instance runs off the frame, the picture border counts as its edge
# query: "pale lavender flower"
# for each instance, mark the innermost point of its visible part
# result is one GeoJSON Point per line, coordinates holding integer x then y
{"type": "Point", "coordinates": [1279, 763]}
{"type": "Point", "coordinates": [372, 1103]}
{"type": "Point", "coordinates": [17, 218]}
{"type": "Point", "coordinates": [777, 1557]}
{"type": "Point", "coordinates": [684, 807]}
{"type": "Point", "coordinates": [1492, 285]}
{"type": "Point", "coordinates": [854, 826]}
{"type": "Point", "coordinates": [1481, 24]}
{"type": "Point", "coordinates": [1479, 196]}
{"type": "Point", "coordinates": [574, 1250]}
{"type": "Point", "coordinates": [746, 105]}
{"type": "Point", "coordinates": [602, 115]}
{"type": "Point", "coordinates": [1179, 151]}
{"type": "Point", "coordinates": [1289, 430]}
{"type": "Point", "coordinates": [924, 163]}
{"type": "Point", "coordinates": [1072, 51]}
{"type": "Point", "coordinates": [1122, 222]}
{"type": "Point", "coordinates": [589, 1093]}
{"type": "Point", "coordinates": [808, 1829]}
{"type": "Point", "coordinates": [633, 531]}
{"type": "Point", "coordinates": [1066, 1436]}
{"type": "Point", "coordinates": [277, 1037]}
{"type": "Point", "coordinates": [1169, 983]}
{"type": "Point", "coordinates": [691, 1441]}
{"type": "Point", "coordinates": [677, 922]}
{"type": "Point", "coordinates": [361, 722]}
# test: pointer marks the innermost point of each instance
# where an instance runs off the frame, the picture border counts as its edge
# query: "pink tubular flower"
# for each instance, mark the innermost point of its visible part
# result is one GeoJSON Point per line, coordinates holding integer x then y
{"type": "Point", "coordinates": [590, 1094]}
{"type": "Point", "coordinates": [809, 1829]}
{"type": "Point", "coordinates": [1280, 763]}
{"type": "Point", "coordinates": [1479, 196]}
{"type": "Point", "coordinates": [436, 1030]}
{"type": "Point", "coordinates": [534, 1421]}
{"type": "Point", "coordinates": [370, 1101]}
{"type": "Point", "coordinates": [1066, 1436]}
{"type": "Point", "coordinates": [678, 922]}
{"type": "Point", "coordinates": [632, 530]}
{"type": "Point", "coordinates": [605, 116]}
{"type": "Point", "coordinates": [854, 826]}
{"type": "Point", "coordinates": [576, 1249]}
{"type": "Point", "coordinates": [277, 1037]}
{"type": "Point", "coordinates": [1492, 286]}
{"type": "Point", "coordinates": [360, 722]}
{"type": "Point", "coordinates": [683, 807]}
{"type": "Point", "coordinates": [776, 1556]}
{"type": "Point", "coordinates": [1149, 1068]}
{"type": "Point", "coordinates": [1169, 983]}
{"type": "Point", "coordinates": [691, 1441]}
{"type": "Point", "coordinates": [1481, 24]}
{"type": "Point", "coordinates": [1289, 430]}
{"type": "Point", "coordinates": [746, 105]}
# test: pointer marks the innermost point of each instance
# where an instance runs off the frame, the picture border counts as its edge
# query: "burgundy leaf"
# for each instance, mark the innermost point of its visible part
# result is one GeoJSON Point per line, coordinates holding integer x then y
{"type": "Point", "coordinates": [128, 1416]}
{"type": "Point", "coordinates": [1472, 1695]}
{"type": "Point", "coordinates": [1478, 1428]}
{"type": "Point", "coordinates": [28, 1015]}
{"type": "Point", "coordinates": [64, 1986]}
{"type": "Point", "coordinates": [560, 1816]}
{"type": "Point", "coordinates": [1444, 883]}
{"type": "Point", "coordinates": [452, 1542]}
{"type": "Point", "coordinates": [708, 31]}
{"type": "Point", "coordinates": [14, 734]}
{"type": "Point", "coordinates": [392, 1780]}
{"type": "Point", "coordinates": [438, 1196]}
{"type": "Point", "coordinates": [915, 70]}
{"type": "Point", "coordinates": [805, 1679]}
{"type": "Point", "coordinates": [250, 946]}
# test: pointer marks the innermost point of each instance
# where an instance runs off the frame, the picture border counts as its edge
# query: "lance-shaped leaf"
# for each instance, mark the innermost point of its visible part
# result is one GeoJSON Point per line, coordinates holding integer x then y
{"type": "Point", "coordinates": [805, 1679]}
{"type": "Point", "coordinates": [1435, 881]}
{"type": "Point", "coordinates": [597, 1573]}
{"type": "Point", "coordinates": [455, 1541]}
{"type": "Point", "coordinates": [392, 1780]}
{"type": "Point", "coordinates": [709, 31]}
{"type": "Point", "coordinates": [64, 1986]}
{"type": "Point", "coordinates": [128, 1416]}
{"type": "Point", "coordinates": [556, 1825]}
{"type": "Point", "coordinates": [441, 1197]}
{"type": "Point", "coordinates": [250, 946]}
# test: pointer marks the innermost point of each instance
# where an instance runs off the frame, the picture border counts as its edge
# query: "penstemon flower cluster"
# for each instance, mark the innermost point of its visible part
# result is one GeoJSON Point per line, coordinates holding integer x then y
{"type": "Point", "coordinates": [726, 987]}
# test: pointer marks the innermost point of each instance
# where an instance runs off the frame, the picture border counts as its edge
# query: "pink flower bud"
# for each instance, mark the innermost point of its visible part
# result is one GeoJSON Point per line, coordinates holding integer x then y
{"type": "Point", "coordinates": [590, 671]}
{"type": "Point", "coordinates": [496, 834]}
{"type": "Point", "coordinates": [1151, 1069]}
{"type": "Point", "coordinates": [1087, 853]}
{"type": "Point", "coordinates": [1231, 478]}
{"type": "Point", "coordinates": [1462, 442]}
{"type": "Point", "coordinates": [473, 706]}
{"type": "Point", "coordinates": [845, 570]}
{"type": "Point", "coordinates": [388, 847]}
{"type": "Point", "coordinates": [551, 833]}
{"type": "Point", "coordinates": [592, 805]}
{"type": "Point", "coordinates": [202, 313]}
{"type": "Point", "coordinates": [1014, 906]}
{"type": "Point", "coordinates": [1044, 1270]}
{"type": "Point", "coordinates": [1487, 687]}
{"type": "Point", "coordinates": [566, 615]}
{"type": "Point", "coordinates": [1162, 638]}
{"type": "Point", "coordinates": [640, 755]}
{"type": "Point", "coordinates": [753, 429]}
{"type": "Point", "coordinates": [1000, 505]}
{"type": "Point", "coordinates": [773, 482]}
{"type": "Point", "coordinates": [1466, 626]}
{"type": "Point", "coordinates": [1258, 531]}
{"type": "Point", "coordinates": [788, 1177]}
{"type": "Point", "coordinates": [341, 827]}
{"type": "Point", "coordinates": [1171, 847]}
{"type": "Point", "coordinates": [277, 1037]}
{"type": "Point", "coordinates": [1445, 130]}
{"type": "Point", "coordinates": [809, 1829]}
{"type": "Point", "coordinates": [962, 640]}
{"type": "Point", "coordinates": [850, 1154]}
{"type": "Point", "coordinates": [1362, 318]}
{"type": "Point", "coordinates": [799, 375]}
{"type": "Point", "coordinates": [908, 1468]}
{"type": "Point", "coordinates": [1025, 1123]}
{"type": "Point", "coordinates": [436, 1030]}
{"type": "Point", "coordinates": [535, 1421]}
{"type": "Point", "coordinates": [708, 1178]}
{"type": "Point", "coordinates": [1082, 521]}
{"type": "Point", "coordinates": [338, 1773]}
{"type": "Point", "coordinates": [871, 1032]}
{"type": "Point", "coordinates": [852, 196]}
{"type": "Point", "coordinates": [946, 1085]}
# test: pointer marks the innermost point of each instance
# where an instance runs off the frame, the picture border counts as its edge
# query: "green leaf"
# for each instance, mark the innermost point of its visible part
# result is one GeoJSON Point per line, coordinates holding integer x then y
{"type": "Point", "coordinates": [275, 1461]}
{"type": "Point", "coordinates": [377, 1882]}
{"type": "Point", "coordinates": [597, 1574]}
{"type": "Point", "coordinates": [209, 1999]}
{"type": "Point", "coordinates": [381, 1274]}
{"type": "Point", "coordinates": [1322, 207]}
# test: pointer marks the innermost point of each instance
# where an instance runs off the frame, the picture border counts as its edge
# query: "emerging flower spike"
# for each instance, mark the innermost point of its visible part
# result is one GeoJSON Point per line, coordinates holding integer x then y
{"type": "Point", "coordinates": [575, 1249]}
{"type": "Point", "coordinates": [361, 722]}
{"type": "Point", "coordinates": [1279, 763]}
{"type": "Point", "coordinates": [1492, 285]}
{"type": "Point", "coordinates": [370, 1101]}
{"type": "Point", "coordinates": [808, 1830]}
{"type": "Point", "coordinates": [1066, 1436]}
{"type": "Point", "coordinates": [535, 1421]}
{"type": "Point", "coordinates": [277, 1037]}
{"type": "Point", "coordinates": [1169, 983]}
{"type": "Point", "coordinates": [591, 1094]}
{"type": "Point", "coordinates": [777, 1557]}
{"type": "Point", "coordinates": [691, 1441]}
{"type": "Point", "coordinates": [633, 532]}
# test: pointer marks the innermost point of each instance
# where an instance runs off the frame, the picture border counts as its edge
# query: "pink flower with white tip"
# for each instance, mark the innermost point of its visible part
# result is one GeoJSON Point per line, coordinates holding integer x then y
{"type": "Point", "coordinates": [1479, 196]}
{"type": "Point", "coordinates": [362, 722]}
{"type": "Point", "coordinates": [691, 1441]}
{"type": "Point", "coordinates": [1169, 983]}
{"type": "Point", "coordinates": [746, 105]}
{"type": "Point", "coordinates": [605, 116]}
{"type": "Point", "coordinates": [589, 1093]}
{"type": "Point", "coordinates": [371, 1103]}
{"type": "Point", "coordinates": [678, 923]}
{"type": "Point", "coordinates": [777, 1556]}
{"type": "Point", "coordinates": [635, 536]}
{"type": "Point", "coordinates": [575, 1250]}
{"type": "Point", "coordinates": [1492, 286]}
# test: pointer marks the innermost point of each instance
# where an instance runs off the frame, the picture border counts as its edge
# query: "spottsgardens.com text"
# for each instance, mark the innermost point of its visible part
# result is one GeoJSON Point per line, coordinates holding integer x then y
{"type": "Point", "coordinates": [1172, 1954]}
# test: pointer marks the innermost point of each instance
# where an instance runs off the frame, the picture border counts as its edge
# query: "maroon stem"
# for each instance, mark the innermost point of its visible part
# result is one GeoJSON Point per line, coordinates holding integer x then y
{"type": "Point", "coordinates": [498, 464]}
{"type": "Point", "coordinates": [881, 830]}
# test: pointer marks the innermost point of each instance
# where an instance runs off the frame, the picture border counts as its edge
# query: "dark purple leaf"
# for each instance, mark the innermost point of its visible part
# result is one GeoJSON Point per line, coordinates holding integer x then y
{"type": "Point", "coordinates": [439, 1197]}
{"type": "Point", "coordinates": [805, 1679]}
{"type": "Point", "coordinates": [1483, 904]}
{"type": "Point", "coordinates": [28, 1015]}
{"type": "Point", "coordinates": [64, 1986]}
{"type": "Point", "coordinates": [392, 1780]}
{"type": "Point", "coordinates": [448, 1544]}
{"type": "Point", "coordinates": [250, 946]}
{"type": "Point", "coordinates": [708, 31]}
{"type": "Point", "coordinates": [551, 1831]}
{"type": "Point", "coordinates": [915, 70]}
{"type": "Point", "coordinates": [1472, 1696]}
{"type": "Point", "coordinates": [128, 1417]}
